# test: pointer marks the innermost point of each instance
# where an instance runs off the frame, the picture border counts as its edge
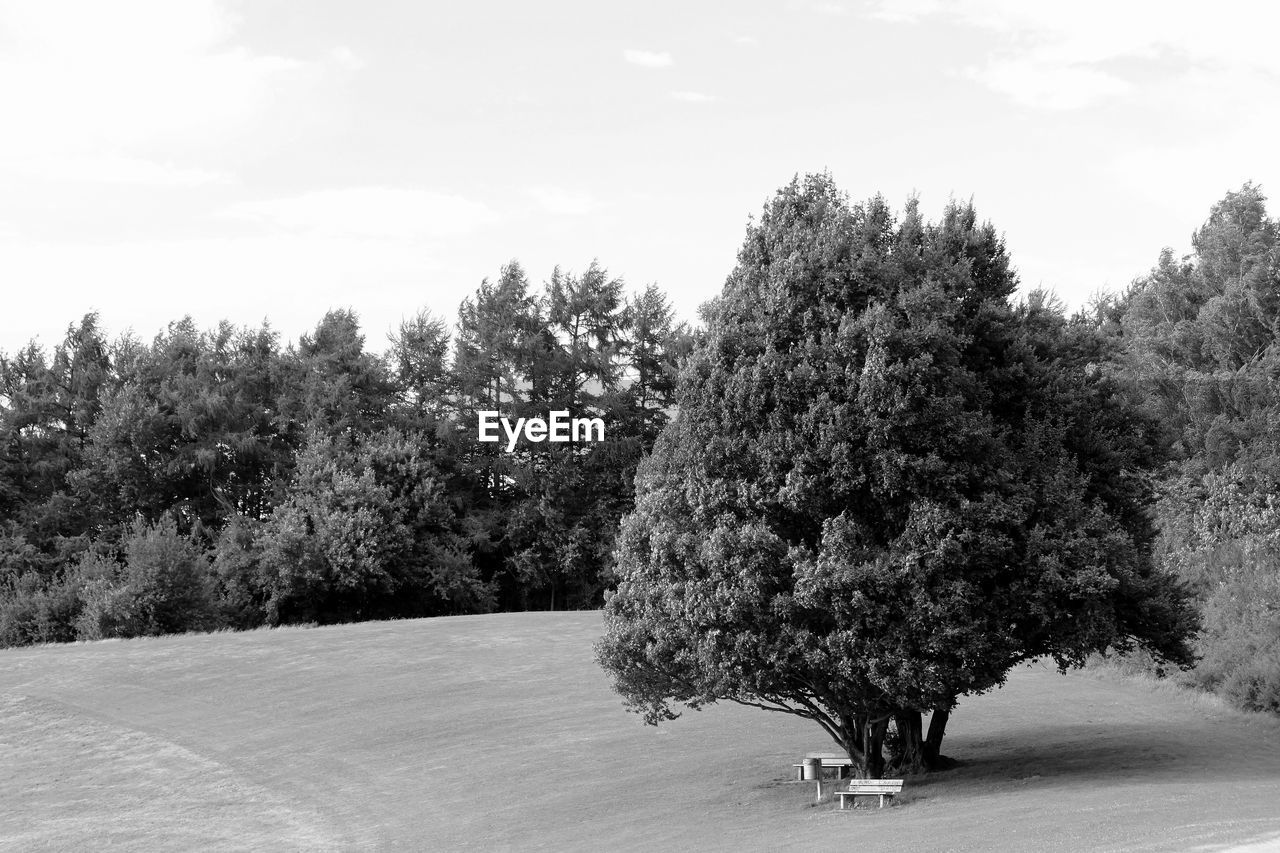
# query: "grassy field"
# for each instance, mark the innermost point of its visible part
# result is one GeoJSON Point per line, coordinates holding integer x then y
{"type": "Point", "coordinates": [500, 733]}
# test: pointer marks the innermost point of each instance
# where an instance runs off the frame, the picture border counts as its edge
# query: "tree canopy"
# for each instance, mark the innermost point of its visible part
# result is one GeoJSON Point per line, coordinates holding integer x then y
{"type": "Point", "coordinates": [886, 485]}
{"type": "Point", "coordinates": [321, 480]}
{"type": "Point", "coordinates": [1199, 336]}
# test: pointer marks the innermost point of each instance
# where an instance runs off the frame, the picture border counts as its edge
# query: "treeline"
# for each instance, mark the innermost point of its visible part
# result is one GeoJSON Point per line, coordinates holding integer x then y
{"type": "Point", "coordinates": [217, 478]}
{"type": "Point", "coordinates": [1199, 336]}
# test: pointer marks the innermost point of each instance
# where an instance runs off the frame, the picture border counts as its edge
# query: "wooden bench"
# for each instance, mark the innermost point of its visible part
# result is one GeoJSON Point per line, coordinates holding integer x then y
{"type": "Point", "coordinates": [826, 759]}
{"type": "Point", "coordinates": [870, 788]}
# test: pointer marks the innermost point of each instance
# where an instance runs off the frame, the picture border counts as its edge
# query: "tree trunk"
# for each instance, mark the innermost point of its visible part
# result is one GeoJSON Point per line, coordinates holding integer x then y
{"type": "Point", "coordinates": [933, 743]}
{"type": "Point", "coordinates": [910, 757]}
{"type": "Point", "coordinates": [851, 742]}
{"type": "Point", "coordinates": [873, 738]}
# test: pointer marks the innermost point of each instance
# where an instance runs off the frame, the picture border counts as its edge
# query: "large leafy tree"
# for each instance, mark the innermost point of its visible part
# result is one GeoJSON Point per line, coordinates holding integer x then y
{"type": "Point", "coordinates": [885, 487]}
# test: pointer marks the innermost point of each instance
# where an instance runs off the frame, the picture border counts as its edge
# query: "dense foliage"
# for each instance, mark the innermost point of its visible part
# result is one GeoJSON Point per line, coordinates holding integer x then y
{"type": "Point", "coordinates": [885, 487]}
{"type": "Point", "coordinates": [887, 484]}
{"type": "Point", "coordinates": [217, 479]}
{"type": "Point", "coordinates": [1200, 334]}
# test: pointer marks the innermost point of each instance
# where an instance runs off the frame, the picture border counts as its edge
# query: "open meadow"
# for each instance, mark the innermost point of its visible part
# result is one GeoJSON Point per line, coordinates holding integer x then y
{"type": "Point", "coordinates": [501, 733]}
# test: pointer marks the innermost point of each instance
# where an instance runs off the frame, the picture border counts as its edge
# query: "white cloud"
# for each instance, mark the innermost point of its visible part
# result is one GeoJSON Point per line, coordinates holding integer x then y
{"type": "Point", "coordinates": [1225, 141]}
{"type": "Point", "coordinates": [745, 40]}
{"type": "Point", "coordinates": [1048, 86]}
{"type": "Point", "coordinates": [647, 59]}
{"type": "Point", "coordinates": [693, 97]}
{"type": "Point", "coordinates": [108, 169]}
{"type": "Point", "coordinates": [1055, 57]}
{"type": "Point", "coordinates": [902, 11]}
{"type": "Point", "coordinates": [84, 79]}
{"type": "Point", "coordinates": [346, 57]}
{"type": "Point", "coordinates": [562, 202]}
{"type": "Point", "coordinates": [367, 212]}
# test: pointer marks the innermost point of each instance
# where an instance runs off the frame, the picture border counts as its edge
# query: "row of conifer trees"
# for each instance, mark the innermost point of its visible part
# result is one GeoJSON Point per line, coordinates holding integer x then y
{"type": "Point", "coordinates": [217, 478]}
{"type": "Point", "coordinates": [222, 477]}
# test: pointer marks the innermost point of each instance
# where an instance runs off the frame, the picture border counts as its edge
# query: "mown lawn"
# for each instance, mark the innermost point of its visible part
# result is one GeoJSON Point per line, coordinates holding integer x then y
{"type": "Point", "coordinates": [500, 733]}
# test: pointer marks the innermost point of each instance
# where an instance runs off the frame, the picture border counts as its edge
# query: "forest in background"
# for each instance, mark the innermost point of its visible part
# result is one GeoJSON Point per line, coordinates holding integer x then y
{"type": "Point", "coordinates": [218, 478]}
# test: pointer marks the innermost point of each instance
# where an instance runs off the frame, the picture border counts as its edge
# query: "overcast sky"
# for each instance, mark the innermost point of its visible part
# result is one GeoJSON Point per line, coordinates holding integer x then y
{"type": "Point", "coordinates": [275, 158]}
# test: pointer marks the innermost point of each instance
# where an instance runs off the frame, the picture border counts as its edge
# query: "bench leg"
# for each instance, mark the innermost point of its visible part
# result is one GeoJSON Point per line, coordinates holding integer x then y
{"type": "Point", "coordinates": [882, 801]}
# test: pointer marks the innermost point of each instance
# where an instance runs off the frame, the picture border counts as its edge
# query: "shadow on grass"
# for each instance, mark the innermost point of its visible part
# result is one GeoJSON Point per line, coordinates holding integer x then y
{"type": "Point", "coordinates": [1116, 754]}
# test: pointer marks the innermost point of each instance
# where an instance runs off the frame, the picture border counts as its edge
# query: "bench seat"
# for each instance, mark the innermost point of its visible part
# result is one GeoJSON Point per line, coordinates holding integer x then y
{"type": "Point", "coordinates": [870, 788]}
